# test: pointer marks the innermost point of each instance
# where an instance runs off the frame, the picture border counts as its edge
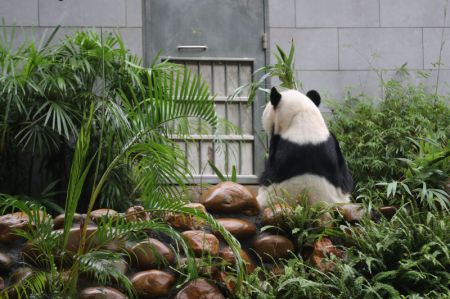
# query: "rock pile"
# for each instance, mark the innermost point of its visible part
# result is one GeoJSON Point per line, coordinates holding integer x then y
{"type": "Point", "coordinates": [153, 264]}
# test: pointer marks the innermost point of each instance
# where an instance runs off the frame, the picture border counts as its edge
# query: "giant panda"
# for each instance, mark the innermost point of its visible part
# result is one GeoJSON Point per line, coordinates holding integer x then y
{"type": "Point", "coordinates": [304, 157]}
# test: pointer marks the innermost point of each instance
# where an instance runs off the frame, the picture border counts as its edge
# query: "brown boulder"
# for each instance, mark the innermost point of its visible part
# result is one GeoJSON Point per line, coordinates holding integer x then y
{"type": "Point", "coordinates": [187, 222]}
{"type": "Point", "coordinates": [240, 229]}
{"type": "Point", "coordinates": [323, 249]}
{"type": "Point", "coordinates": [388, 211]}
{"type": "Point", "coordinates": [5, 262]}
{"type": "Point", "coordinates": [229, 257]}
{"type": "Point", "coordinates": [352, 212]}
{"type": "Point", "coordinates": [200, 289]}
{"type": "Point", "coordinates": [151, 253]}
{"type": "Point", "coordinates": [101, 293]}
{"type": "Point", "coordinates": [276, 214]}
{"type": "Point", "coordinates": [58, 222]}
{"type": "Point", "coordinates": [273, 246]}
{"type": "Point", "coordinates": [152, 283]}
{"type": "Point", "coordinates": [230, 197]}
{"type": "Point", "coordinates": [136, 213]}
{"type": "Point", "coordinates": [201, 243]}
{"type": "Point", "coordinates": [75, 238]}
{"type": "Point", "coordinates": [11, 222]}
{"type": "Point", "coordinates": [96, 215]}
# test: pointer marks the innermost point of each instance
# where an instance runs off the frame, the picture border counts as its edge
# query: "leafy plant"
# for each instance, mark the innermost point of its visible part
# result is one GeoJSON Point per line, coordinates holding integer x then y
{"type": "Point", "coordinates": [221, 176]}
{"type": "Point", "coordinates": [424, 178]}
{"type": "Point", "coordinates": [130, 127]}
{"type": "Point", "coordinates": [283, 69]}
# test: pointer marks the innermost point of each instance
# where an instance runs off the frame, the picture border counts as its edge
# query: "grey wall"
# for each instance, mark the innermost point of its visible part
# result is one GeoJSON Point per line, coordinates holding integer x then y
{"type": "Point", "coordinates": [340, 43]}
{"type": "Point", "coordinates": [39, 16]}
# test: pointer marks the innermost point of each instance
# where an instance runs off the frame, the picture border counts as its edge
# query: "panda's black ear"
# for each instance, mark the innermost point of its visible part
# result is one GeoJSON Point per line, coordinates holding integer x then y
{"type": "Point", "coordinates": [275, 97]}
{"type": "Point", "coordinates": [314, 96]}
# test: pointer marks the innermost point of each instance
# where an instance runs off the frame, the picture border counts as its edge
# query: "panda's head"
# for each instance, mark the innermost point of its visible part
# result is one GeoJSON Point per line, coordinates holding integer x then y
{"type": "Point", "coordinates": [295, 117]}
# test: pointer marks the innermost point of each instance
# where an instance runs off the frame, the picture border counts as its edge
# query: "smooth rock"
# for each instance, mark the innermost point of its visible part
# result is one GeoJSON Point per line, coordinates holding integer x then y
{"type": "Point", "coordinates": [136, 213]}
{"type": "Point", "coordinates": [240, 229]}
{"type": "Point", "coordinates": [11, 222]}
{"type": "Point", "coordinates": [388, 211]}
{"type": "Point", "coordinates": [230, 258]}
{"type": "Point", "coordinates": [150, 254]}
{"type": "Point", "coordinates": [230, 197]}
{"type": "Point", "coordinates": [5, 262]}
{"type": "Point", "coordinates": [272, 246]}
{"type": "Point", "coordinates": [152, 283]}
{"type": "Point", "coordinates": [227, 280]}
{"type": "Point", "coordinates": [96, 215]}
{"type": "Point", "coordinates": [58, 222]}
{"type": "Point", "coordinates": [323, 249]}
{"type": "Point", "coordinates": [277, 214]}
{"type": "Point", "coordinates": [201, 243]}
{"type": "Point", "coordinates": [121, 266]}
{"type": "Point", "coordinates": [101, 293]}
{"type": "Point", "coordinates": [187, 222]}
{"type": "Point", "coordinates": [75, 238]}
{"type": "Point", "coordinates": [200, 289]}
{"type": "Point", "coordinates": [352, 212]}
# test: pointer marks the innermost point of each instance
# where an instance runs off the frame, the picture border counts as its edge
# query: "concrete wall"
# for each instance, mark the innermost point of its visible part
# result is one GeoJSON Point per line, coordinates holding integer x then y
{"type": "Point", "coordinates": [341, 43]}
{"type": "Point", "coordinates": [39, 16]}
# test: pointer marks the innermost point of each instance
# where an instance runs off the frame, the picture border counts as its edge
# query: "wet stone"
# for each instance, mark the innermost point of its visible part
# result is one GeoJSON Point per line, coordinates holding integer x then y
{"type": "Point", "coordinates": [352, 212]}
{"type": "Point", "coordinates": [388, 211]}
{"type": "Point", "coordinates": [136, 213]}
{"type": "Point", "coordinates": [151, 253]}
{"type": "Point", "coordinates": [152, 283]}
{"type": "Point", "coordinates": [230, 197]}
{"type": "Point", "coordinates": [272, 246]}
{"type": "Point", "coordinates": [75, 238]}
{"type": "Point", "coordinates": [186, 222]}
{"type": "Point", "coordinates": [240, 229]}
{"type": "Point", "coordinates": [101, 293]}
{"type": "Point", "coordinates": [58, 222]}
{"type": "Point", "coordinates": [121, 266]}
{"type": "Point", "coordinates": [276, 214]}
{"type": "Point", "coordinates": [200, 288]}
{"type": "Point", "coordinates": [323, 249]}
{"type": "Point", "coordinates": [96, 215]}
{"type": "Point", "coordinates": [201, 243]}
{"type": "Point", "coordinates": [228, 256]}
{"type": "Point", "coordinates": [9, 223]}
{"type": "Point", "coordinates": [228, 281]}
{"type": "Point", "coordinates": [5, 262]}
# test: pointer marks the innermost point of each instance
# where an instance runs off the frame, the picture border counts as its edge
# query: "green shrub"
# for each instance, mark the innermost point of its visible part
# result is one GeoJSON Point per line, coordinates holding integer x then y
{"type": "Point", "coordinates": [405, 256]}
{"type": "Point", "coordinates": [374, 136]}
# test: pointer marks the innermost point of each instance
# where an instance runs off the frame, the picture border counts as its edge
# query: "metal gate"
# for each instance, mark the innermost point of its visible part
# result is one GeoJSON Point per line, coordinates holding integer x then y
{"type": "Point", "coordinates": [222, 41]}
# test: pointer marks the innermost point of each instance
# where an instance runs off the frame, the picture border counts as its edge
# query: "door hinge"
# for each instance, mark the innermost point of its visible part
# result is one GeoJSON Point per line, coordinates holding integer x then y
{"type": "Point", "coordinates": [264, 41]}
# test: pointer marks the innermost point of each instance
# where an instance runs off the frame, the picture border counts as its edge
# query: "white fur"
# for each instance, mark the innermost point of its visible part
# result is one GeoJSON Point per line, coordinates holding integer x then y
{"type": "Point", "coordinates": [316, 187]}
{"type": "Point", "coordinates": [296, 118]}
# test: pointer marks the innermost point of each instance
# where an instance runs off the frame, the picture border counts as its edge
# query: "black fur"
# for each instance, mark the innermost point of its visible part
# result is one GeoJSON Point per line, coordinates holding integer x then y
{"type": "Point", "coordinates": [314, 96]}
{"type": "Point", "coordinates": [287, 159]}
{"type": "Point", "coordinates": [275, 97]}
